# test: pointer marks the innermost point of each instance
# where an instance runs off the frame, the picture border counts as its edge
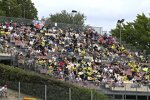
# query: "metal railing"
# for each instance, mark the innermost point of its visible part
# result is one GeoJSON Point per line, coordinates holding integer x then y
{"type": "Point", "coordinates": [132, 87]}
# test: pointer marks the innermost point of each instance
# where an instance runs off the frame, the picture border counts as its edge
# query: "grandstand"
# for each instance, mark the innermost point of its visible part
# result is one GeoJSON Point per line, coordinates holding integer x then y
{"type": "Point", "coordinates": [77, 56]}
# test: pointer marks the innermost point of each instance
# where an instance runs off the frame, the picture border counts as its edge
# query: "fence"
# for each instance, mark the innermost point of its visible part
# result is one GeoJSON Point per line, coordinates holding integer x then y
{"type": "Point", "coordinates": [43, 92]}
{"type": "Point", "coordinates": [4, 19]}
{"type": "Point", "coordinates": [63, 25]}
{"type": "Point", "coordinates": [48, 23]}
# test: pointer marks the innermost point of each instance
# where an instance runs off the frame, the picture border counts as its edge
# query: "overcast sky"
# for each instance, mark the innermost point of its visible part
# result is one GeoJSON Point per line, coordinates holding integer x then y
{"type": "Point", "coordinates": [99, 13]}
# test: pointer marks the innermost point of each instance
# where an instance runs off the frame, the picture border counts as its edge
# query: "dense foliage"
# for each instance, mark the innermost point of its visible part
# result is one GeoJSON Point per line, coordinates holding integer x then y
{"type": "Point", "coordinates": [18, 8]}
{"type": "Point", "coordinates": [136, 33]}
{"type": "Point", "coordinates": [69, 18]}
{"type": "Point", "coordinates": [33, 84]}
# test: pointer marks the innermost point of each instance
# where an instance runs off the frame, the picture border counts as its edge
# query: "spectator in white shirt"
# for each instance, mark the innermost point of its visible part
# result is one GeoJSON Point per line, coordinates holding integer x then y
{"type": "Point", "coordinates": [3, 90]}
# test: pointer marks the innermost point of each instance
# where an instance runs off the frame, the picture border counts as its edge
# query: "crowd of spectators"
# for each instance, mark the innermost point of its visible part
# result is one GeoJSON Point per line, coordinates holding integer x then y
{"type": "Point", "coordinates": [73, 55]}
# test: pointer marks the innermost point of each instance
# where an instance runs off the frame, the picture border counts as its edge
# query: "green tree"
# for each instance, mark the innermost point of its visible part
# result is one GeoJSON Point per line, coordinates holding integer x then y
{"type": "Point", "coordinates": [136, 33]}
{"type": "Point", "coordinates": [18, 8]}
{"type": "Point", "coordinates": [2, 12]}
{"type": "Point", "coordinates": [69, 18]}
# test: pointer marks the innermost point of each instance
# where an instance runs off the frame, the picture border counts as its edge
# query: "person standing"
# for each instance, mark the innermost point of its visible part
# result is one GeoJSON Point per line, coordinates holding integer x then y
{"type": "Point", "coordinates": [4, 91]}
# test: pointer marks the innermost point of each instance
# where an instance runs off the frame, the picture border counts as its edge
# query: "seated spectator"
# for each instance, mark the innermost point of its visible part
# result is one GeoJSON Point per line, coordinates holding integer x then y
{"type": "Point", "coordinates": [74, 55]}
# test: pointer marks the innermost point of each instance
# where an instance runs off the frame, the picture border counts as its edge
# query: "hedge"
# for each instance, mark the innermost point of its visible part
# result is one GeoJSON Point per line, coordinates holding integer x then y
{"type": "Point", "coordinates": [34, 84]}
